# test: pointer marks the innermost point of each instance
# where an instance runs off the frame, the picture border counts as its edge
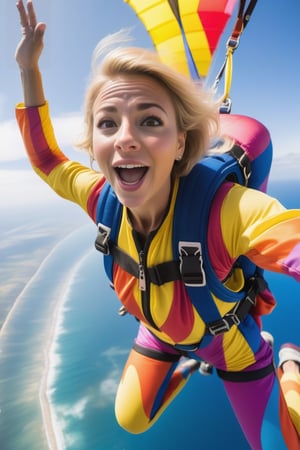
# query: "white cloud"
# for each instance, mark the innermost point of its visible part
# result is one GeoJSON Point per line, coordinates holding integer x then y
{"type": "Point", "coordinates": [23, 187]}
{"type": "Point", "coordinates": [76, 411]}
{"type": "Point", "coordinates": [63, 417]}
{"type": "Point", "coordinates": [67, 129]}
{"type": "Point", "coordinates": [114, 352]}
{"type": "Point", "coordinates": [285, 166]}
{"type": "Point", "coordinates": [11, 142]}
{"type": "Point", "coordinates": [108, 388]}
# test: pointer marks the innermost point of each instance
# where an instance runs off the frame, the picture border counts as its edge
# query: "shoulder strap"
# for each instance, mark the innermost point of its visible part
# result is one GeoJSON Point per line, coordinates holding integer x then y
{"type": "Point", "coordinates": [200, 186]}
{"type": "Point", "coordinates": [108, 217]}
{"type": "Point", "coordinates": [249, 164]}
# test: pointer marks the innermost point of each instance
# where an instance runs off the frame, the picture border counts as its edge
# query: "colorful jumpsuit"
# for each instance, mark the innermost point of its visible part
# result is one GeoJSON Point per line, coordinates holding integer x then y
{"type": "Point", "coordinates": [262, 229]}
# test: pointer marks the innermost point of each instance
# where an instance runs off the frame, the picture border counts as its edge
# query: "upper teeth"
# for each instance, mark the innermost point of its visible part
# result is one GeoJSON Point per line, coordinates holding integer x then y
{"type": "Point", "coordinates": [129, 166]}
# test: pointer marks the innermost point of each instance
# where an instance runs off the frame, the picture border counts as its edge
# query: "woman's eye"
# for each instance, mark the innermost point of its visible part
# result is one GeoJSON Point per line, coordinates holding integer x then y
{"type": "Point", "coordinates": [106, 123]}
{"type": "Point", "coordinates": [152, 121]}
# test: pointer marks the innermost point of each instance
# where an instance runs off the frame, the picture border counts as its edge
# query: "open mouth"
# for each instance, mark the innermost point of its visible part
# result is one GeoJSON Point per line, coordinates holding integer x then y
{"type": "Point", "coordinates": [130, 173]}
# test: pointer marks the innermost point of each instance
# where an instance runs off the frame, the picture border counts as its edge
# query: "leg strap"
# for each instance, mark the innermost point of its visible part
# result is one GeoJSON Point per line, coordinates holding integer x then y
{"type": "Point", "coordinates": [241, 377]}
{"type": "Point", "coordinates": [156, 354]}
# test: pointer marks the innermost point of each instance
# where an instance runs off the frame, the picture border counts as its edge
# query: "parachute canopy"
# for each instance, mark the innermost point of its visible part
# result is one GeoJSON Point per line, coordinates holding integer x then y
{"type": "Point", "coordinates": [185, 33]}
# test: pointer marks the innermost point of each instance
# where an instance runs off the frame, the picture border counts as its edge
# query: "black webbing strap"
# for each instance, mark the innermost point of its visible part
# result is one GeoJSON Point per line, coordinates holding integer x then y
{"type": "Point", "coordinates": [238, 313]}
{"type": "Point", "coordinates": [125, 261]}
{"type": "Point", "coordinates": [247, 14]}
{"type": "Point", "coordinates": [159, 274]}
{"type": "Point", "coordinates": [104, 245]}
{"type": "Point", "coordinates": [243, 160]}
{"type": "Point", "coordinates": [156, 354]}
{"type": "Point", "coordinates": [164, 272]}
{"type": "Point", "coordinates": [242, 377]}
{"type": "Point", "coordinates": [243, 17]}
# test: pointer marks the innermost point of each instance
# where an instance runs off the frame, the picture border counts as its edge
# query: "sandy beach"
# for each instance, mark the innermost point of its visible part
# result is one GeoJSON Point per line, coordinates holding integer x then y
{"type": "Point", "coordinates": [50, 428]}
{"type": "Point", "coordinates": [47, 414]}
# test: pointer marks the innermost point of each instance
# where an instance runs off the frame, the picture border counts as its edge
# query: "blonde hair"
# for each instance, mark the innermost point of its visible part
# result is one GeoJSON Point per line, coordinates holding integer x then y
{"type": "Point", "coordinates": [196, 111]}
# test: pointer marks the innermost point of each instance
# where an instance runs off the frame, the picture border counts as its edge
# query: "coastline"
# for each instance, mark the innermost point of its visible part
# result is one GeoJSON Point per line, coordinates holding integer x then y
{"type": "Point", "coordinates": [47, 414]}
{"type": "Point", "coordinates": [31, 328]}
{"type": "Point", "coordinates": [52, 430]}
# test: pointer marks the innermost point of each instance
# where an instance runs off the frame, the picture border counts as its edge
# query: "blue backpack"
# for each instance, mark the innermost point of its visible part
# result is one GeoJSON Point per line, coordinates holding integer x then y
{"type": "Point", "coordinates": [248, 162]}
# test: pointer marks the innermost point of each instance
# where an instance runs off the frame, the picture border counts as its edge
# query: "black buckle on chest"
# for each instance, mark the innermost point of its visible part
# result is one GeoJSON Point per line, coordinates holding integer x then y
{"type": "Point", "coordinates": [191, 263]}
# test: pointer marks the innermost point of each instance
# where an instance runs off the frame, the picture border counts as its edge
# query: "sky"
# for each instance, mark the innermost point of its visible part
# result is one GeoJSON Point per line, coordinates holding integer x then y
{"type": "Point", "coordinates": [264, 84]}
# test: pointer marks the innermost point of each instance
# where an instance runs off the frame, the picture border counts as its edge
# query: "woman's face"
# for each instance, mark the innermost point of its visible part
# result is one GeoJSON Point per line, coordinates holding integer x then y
{"type": "Point", "coordinates": [136, 140]}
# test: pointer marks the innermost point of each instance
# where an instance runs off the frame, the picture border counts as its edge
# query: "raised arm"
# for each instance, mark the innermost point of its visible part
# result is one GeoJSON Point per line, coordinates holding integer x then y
{"type": "Point", "coordinates": [28, 53]}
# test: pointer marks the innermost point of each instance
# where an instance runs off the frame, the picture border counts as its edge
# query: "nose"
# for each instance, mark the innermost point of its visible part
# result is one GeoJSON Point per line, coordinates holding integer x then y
{"type": "Point", "coordinates": [126, 139]}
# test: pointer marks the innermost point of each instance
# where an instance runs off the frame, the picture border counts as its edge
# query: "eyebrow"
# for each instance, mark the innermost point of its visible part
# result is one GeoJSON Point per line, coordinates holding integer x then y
{"type": "Point", "coordinates": [109, 109]}
{"type": "Point", "coordinates": [143, 106]}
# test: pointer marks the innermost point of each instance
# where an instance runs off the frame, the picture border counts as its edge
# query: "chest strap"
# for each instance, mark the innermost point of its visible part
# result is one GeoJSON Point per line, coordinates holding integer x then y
{"type": "Point", "coordinates": [159, 274]}
{"type": "Point", "coordinates": [188, 268]}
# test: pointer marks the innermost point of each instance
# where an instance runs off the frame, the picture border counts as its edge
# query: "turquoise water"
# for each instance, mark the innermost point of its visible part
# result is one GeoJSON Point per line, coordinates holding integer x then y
{"type": "Point", "coordinates": [87, 355]}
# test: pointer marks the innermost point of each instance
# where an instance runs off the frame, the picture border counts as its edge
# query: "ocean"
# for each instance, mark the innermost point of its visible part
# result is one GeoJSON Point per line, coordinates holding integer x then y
{"type": "Point", "coordinates": [63, 337]}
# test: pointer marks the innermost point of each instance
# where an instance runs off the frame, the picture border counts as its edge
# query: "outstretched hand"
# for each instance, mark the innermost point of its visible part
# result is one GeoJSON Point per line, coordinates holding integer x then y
{"type": "Point", "coordinates": [31, 44]}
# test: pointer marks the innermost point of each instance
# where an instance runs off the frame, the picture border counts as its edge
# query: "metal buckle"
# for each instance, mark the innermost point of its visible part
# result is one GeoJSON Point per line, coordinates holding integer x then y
{"type": "Point", "coordinates": [122, 311]}
{"type": "Point", "coordinates": [233, 42]}
{"type": "Point", "coordinates": [225, 107]}
{"type": "Point", "coordinates": [218, 328]}
{"type": "Point", "coordinates": [191, 263]}
{"type": "Point", "coordinates": [102, 240]}
{"type": "Point", "coordinates": [233, 315]}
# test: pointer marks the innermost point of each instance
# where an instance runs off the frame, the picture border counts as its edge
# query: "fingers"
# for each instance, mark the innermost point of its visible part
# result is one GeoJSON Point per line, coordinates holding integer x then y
{"type": "Point", "coordinates": [27, 18]}
{"type": "Point", "coordinates": [31, 14]}
{"type": "Point", "coordinates": [22, 12]}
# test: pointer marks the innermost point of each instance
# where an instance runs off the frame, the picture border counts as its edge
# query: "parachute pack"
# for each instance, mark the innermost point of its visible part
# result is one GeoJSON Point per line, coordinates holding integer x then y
{"type": "Point", "coordinates": [248, 163]}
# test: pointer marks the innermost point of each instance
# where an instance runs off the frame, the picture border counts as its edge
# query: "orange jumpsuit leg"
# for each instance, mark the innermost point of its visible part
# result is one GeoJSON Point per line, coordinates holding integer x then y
{"type": "Point", "coordinates": [147, 387]}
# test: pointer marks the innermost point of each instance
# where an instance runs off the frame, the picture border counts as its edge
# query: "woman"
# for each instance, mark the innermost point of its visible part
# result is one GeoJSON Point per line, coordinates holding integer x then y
{"type": "Point", "coordinates": [147, 126]}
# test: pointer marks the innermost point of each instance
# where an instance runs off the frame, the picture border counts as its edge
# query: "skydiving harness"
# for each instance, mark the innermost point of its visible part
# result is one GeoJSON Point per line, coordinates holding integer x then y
{"type": "Point", "coordinates": [191, 260]}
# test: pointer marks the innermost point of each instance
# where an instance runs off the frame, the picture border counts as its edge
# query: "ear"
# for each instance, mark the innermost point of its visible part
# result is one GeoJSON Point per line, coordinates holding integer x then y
{"type": "Point", "coordinates": [181, 145]}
